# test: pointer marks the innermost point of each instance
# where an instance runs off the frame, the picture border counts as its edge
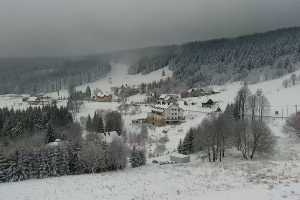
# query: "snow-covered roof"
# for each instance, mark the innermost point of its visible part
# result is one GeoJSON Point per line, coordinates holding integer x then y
{"type": "Point", "coordinates": [162, 96]}
{"type": "Point", "coordinates": [168, 96]}
{"type": "Point", "coordinates": [55, 143]}
{"type": "Point", "coordinates": [161, 108]}
{"type": "Point", "coordinates": [103, 94]}
{"type": "Point", "coordinates": [32, 99]}
{"type": "Point", "coordinates": [193, 89]}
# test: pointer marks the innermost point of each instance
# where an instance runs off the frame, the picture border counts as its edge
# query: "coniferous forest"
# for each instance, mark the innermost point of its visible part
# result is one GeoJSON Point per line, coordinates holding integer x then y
{"type": "Point", "coordinates": [37, 75]}
{"type": "Point", "coordinates": [45, 142]}
{"type": "Point", "coordinates": [254, 58]}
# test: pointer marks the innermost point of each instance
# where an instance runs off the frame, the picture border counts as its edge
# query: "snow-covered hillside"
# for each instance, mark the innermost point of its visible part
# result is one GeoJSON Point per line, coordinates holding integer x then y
{"type": "Point", "coordinates": [281, 99]}
{"type": "Point", "coordinates": [119, 76]}
{"type": "Point", "coordinates": [276, 178]}
{"type": "Point", "coordinates": [230, 180]}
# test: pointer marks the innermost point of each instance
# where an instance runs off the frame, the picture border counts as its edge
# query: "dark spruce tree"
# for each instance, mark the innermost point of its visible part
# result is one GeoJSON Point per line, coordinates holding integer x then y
{"type": "Point", "coordinates": [187, 144]}
{"type": "Point", "coordinates": [89, 124]}
{"type": "Point", "coordinates": [88, 92]}
{"type": "Point", "coordinates": [50, 135]}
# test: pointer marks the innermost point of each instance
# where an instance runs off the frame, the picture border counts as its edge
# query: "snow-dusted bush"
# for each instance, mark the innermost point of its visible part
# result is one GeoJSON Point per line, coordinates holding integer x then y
{"type": "Point", "coordinates": [294, 122]}
{"type": "Point", "coordinates": [137, 157]}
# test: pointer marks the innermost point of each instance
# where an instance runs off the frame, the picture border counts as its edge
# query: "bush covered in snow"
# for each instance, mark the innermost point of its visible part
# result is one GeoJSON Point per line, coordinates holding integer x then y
{"type": "Point", "coordinates": [294, 122]}
{"type": "Point", "coordinates": [137, 157]}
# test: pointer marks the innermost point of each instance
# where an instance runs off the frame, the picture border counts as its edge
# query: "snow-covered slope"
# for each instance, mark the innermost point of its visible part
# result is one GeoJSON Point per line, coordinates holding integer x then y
{"type": "Point", "coordinates": [206, 181]}
{"type": "Point", "coordinates": [281, 99]}
{"type": "Point", "coordinates": [233, 179]}
{"type": "Point", "coordinates": [119, 76]}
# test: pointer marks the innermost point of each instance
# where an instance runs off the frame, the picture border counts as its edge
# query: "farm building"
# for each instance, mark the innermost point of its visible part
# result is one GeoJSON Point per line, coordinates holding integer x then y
{"type": "Point", "coordinates": [103, 97]}
{"type": "Point", "coordinates": [39, 100]}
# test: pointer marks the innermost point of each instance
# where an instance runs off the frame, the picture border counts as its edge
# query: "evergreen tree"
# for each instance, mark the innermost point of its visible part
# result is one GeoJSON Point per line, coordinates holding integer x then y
{"type": "Point", "coordinates": [114, 122]}
{"type": "Point", "coordinates": [99, 125]}
{"type": "Point", "coordinates": [88, 92]}
{"type": "Point", "coordinates": [50, 137]}
{"type": "Point", "coordinates": [187, 144]}
{"type": "Point", "coordinates": [137, 157]}
{"type": "Point", "coordinates": [89, 124]}
{"type": "Point", "coordinates": [179, 148]}
{"type": "Point", "coordinates": [95, 122]}
{"type": "Point", "coordinates": [4, 167]}
{"type": "Point", "coordinates": [75, 165]}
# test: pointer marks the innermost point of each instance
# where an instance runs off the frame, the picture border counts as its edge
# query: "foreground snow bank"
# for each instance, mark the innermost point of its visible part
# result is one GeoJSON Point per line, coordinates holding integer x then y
{"type": "Point", "coordinates": [193, 181]}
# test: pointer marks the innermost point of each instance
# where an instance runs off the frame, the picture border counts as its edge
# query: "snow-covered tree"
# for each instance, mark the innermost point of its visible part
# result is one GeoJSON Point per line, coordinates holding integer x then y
{"type": "Point", "coordinates": [137, 157]}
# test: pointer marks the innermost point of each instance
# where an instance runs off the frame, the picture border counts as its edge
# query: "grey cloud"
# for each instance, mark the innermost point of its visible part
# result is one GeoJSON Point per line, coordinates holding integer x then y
{"type": "Point", "coordinates": [73, 27]}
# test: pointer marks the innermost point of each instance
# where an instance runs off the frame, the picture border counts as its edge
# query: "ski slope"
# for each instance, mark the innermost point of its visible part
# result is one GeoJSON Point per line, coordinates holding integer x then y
{"type": "Point", "coordinates": [119, 76]}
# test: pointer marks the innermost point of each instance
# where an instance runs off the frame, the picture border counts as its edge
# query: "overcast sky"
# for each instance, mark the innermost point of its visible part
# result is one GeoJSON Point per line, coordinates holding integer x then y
{"type": "Point", "coordinates": [73, 27]}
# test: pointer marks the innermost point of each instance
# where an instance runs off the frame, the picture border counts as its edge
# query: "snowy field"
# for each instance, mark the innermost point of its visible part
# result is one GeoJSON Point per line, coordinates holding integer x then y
{"type": "Point", "coordinates": [275, 178]}
{"type": "Point", "coordinates": [281, 99]}
{"type": "Point", "coordinates": [15, 102]}
{"type": "Point", "coordinates": [230, 180]}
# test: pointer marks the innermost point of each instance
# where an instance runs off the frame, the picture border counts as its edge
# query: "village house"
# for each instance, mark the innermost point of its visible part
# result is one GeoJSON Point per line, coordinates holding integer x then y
{"type": "Point", "coordinates": [166, 111]}
{"type": "Point", "coordinates": [103, 97]}
{"type": "Point", "coordinates": [39, 100]}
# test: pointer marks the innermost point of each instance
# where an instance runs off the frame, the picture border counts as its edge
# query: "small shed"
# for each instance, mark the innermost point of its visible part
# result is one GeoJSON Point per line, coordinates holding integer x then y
{"type": "Point", "coordinates": [179, 158]}
{"type": "Point", "coordinates": [208, 104]}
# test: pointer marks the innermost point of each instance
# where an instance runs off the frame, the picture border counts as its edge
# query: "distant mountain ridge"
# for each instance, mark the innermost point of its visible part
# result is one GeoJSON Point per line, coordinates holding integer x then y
{"type": "Point", "coordinates": [39, 75]}
{"type": "Point", "coordinates": [255, 57]}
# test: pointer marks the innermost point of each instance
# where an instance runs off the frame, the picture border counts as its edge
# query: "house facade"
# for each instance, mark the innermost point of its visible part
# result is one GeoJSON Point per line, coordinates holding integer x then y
{"type": "Point", "coordinates": [161, 115]}
{"type": "Point", "coordinates": [166, 111]}
{"type": "Point", "coordinates": [100, 97]}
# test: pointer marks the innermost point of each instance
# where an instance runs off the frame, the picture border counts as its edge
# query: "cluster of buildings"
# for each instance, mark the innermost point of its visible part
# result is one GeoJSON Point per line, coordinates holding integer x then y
{"type": "Point", "coordinates": [39, 100]}
{"type": "Point", "coordinates": [166, 111]}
